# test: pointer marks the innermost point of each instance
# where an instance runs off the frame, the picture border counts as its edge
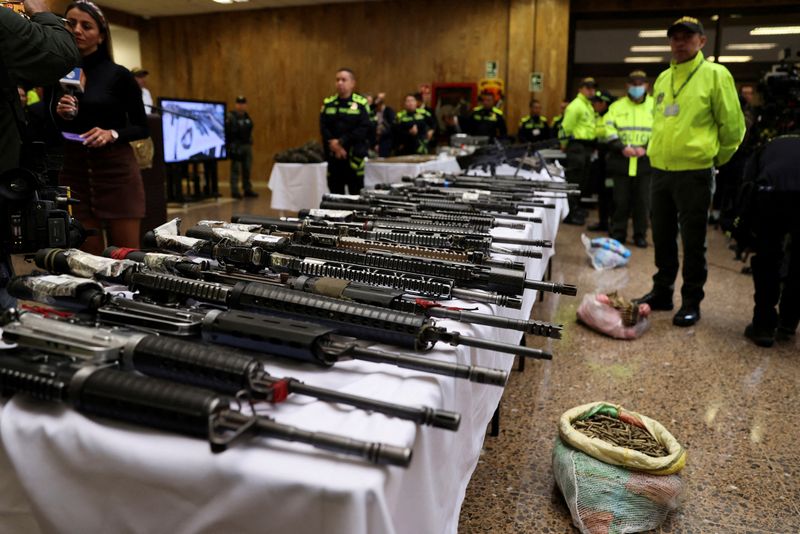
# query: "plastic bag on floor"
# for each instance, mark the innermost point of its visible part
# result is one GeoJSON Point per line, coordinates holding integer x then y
{"type": "Point", "coordinates": [606, 499]}
{"type": "Point", "coordinates": [605, 253]}
{"type": "Point", "coordinates": [614, 316]}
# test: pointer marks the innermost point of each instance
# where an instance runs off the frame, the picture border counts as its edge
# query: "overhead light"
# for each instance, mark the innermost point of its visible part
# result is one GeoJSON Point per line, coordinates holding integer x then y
{"type": "Point", "coordinates": [650, 48]}
{"type": "Point", "coordinates": [775, 30]}
{"type": "Point", "coordinates": [712, 59]}
{"type": "Point", "coordinates": [644, 59]}
{"type": "Point", "coordinates": [648, 34]}
{"type": "Point", "coordinates": [751, 46]}
{"type": "Point", "coordinates": [224, 1]}
{"type": "Point", "coordinates": [734, 59]}
{"type": "Point", "coordinates": [715, 18]}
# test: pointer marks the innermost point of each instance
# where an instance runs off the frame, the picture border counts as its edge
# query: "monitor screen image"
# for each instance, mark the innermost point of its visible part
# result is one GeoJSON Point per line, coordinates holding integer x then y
{"type": "Point", "coordinates": [193, 130]}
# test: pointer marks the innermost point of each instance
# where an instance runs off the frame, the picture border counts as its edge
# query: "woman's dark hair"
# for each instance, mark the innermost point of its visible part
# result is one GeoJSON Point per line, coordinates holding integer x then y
{"type": "Point", "coordinates": [100, 19]}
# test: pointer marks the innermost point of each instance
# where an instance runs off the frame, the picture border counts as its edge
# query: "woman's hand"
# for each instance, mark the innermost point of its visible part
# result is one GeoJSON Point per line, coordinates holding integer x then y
{"type": "Point", "coordinates": [97, 137]}
{"type": "Point", "coordinates": [67, 107]}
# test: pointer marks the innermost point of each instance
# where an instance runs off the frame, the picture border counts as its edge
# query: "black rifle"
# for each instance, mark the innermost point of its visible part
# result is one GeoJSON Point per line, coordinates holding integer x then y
{"type": "Point", "coordinates": [495, 183]}
{"type": "Point", "coordinates": [264, 334]}
{"type": "Point", "coordinates": [363, 241]}
{"type": "Point", "coordinates": [480, 223]}
{"type": "Point", "coordinates": [510, 203]}
{"type": "Point", "coordinates": [504, 281]}
{"type": "Point", "coordinates": [441, 238]}
{"type": "Point", "coordinates": [118, 395]}
{"type": "Point", "coordinates": [222, 370]}
{"type": "Point", "coordinates": [61, 261]}
{"type": "Point", "coordinates": [350, 202]}
{"type": "Point", "coordinates": [346, 318]}
{"type": "Point", "coordinates": [366, 294]}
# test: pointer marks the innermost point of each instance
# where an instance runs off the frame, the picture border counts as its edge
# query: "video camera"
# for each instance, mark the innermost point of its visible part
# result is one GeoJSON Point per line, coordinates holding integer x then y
{"type": "Point", "coordinates": [780, 88]}
{"type": "Point", "coordinates": [33, 214]}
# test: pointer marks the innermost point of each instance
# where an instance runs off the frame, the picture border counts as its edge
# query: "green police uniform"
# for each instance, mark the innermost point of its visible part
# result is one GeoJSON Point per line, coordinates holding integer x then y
{"type": "Point", "coordinates": [404, 141]}
{"type": "Point", "coordinates": [346, 119]}
{"type": "Point", "coordinates": [578, 132]}
{"type": "Point", "coordinates": [533, 129]}
{"type": "Point", "coordinates": [697, 124]}
{"type": "Point", "coordinates": [629, 124]}
{"type": "Point", "coordinates": [486, 122]}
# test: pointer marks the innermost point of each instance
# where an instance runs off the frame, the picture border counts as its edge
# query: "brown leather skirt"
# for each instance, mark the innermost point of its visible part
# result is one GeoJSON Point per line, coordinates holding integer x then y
{"type": "Point", "coordinates": [106, 181]}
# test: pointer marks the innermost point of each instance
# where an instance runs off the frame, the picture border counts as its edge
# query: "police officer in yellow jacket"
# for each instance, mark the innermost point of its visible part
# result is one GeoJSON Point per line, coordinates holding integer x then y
{"type": "Point", "coordinates": [629, 123]}
{"type": "Point", "coordinates": [486, 119]}
{"type": "Point", "coordinates": [345, 127]}
{"type": "Point", "coordinates": [533, 128]}
{"type": "Point", "coordinates": [697, 124]}
{"type": "Point", "coordinates": [578, 133]}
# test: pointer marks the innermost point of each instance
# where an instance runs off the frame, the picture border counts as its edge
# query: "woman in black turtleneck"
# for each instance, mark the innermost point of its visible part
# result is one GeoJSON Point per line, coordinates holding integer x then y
{"type": "Point", "coordinates": [100, 167]}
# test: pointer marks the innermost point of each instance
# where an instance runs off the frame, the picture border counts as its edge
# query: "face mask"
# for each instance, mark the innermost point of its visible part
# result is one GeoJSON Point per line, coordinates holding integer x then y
{"type": "Point", "coordinates": [636, 92]}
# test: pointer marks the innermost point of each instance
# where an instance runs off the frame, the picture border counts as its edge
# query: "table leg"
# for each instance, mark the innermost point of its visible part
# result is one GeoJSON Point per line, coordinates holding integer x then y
{"type": "Point", "coordinates": [494, 430]}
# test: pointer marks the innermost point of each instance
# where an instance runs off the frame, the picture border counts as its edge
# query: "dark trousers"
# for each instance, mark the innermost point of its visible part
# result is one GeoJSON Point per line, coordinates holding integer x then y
{"type": "Point", "coordinates": [345, 172]}
{"type": "Point", "coordinates": [776, 216]}
{"type": "Point", "coordinates": [577, 169]}
{"type": "Point", "coordinates": [6, 300]}
{"type": "Point", "coordinates": [241, 161]}
{"type": "Point", "coordinates": [631, 199]}
{"type": "Point", "coordinates": [679, 203]}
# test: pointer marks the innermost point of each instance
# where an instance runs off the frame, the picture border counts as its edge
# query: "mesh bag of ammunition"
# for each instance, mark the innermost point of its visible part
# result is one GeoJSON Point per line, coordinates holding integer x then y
{"type": "Point", "coordinates": [608, 499]}
{"type": "Point", "coordinates": [614, 316]}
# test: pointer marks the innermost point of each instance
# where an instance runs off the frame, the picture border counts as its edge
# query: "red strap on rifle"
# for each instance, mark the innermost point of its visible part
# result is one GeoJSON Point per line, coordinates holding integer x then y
{"type": "Point", "coordinates": [47, 312]}
{"type": "Point", "coordinates": [280, 391]}
{"type": "Point", "coordinates": [426, 304]}
{"type": "Point", "coordinates": [122, 253]}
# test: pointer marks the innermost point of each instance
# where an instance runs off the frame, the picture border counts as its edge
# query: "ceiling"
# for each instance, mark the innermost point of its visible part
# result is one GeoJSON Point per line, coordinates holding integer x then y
{"type": "Point", "coordinates": [611, 42]}
{"type": "Point", "coordinates": [162, 8]}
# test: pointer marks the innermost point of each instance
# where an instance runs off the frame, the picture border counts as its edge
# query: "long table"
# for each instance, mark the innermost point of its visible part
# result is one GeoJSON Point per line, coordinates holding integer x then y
{"type": "Point", "coordinates": [74, 474]}
{"type": "Point", "coordinates": [386, 172]}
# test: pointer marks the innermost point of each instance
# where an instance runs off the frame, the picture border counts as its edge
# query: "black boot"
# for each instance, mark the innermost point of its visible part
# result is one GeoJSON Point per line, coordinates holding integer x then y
{"type": "Point", "coordinates": [687, 315]}
{"type": "Point", "coordinates": [657, 300]}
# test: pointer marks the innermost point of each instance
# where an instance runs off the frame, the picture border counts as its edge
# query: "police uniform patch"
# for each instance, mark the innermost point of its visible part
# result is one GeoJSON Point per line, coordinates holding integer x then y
{"type": "Point", "coordinates": [660, 98]}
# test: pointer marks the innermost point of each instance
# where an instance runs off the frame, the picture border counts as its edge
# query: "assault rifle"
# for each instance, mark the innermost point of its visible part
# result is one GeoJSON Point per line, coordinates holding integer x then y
{"type": "Point", "coordinates": [440, 237]}
{"type": "Point", "coordinates": [365, 294]}
{"type": "Point", "coordinates": [264, 334]}
{"type": "Point", "coordinates": [502, 211]}
{"type": "Point", "coordinates": [222, 370]}
{"type": "Point", "coordinates": [505, 281]}
{"type": "Point", "coordinates": [364, 241]}
{"type": "Point", "coordinates": [100, 390]}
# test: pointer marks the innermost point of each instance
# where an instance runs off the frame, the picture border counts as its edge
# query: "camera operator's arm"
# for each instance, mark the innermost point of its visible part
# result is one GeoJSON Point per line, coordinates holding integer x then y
{"type": "Point", "coordinates": [38, 51]}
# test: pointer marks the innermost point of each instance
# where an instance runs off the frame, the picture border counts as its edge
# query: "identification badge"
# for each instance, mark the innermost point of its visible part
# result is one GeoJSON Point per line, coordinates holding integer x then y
{"type": "Point", "coordinates": [672, 110]}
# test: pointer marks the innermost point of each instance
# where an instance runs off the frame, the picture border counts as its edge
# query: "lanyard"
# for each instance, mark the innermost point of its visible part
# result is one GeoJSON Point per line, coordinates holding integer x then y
{"type": "Point", "coordinates": [672, 86]}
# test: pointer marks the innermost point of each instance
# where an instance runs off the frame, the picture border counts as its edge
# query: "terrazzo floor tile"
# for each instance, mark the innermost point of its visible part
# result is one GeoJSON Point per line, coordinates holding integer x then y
{"type": "Point", "coordinates": [730, 403]}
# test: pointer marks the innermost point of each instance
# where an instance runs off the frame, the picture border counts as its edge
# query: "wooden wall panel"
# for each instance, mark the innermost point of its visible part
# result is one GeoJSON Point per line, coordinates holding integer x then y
{"type": "Point", "coordinates": [551, 52]}
{"type": "Point", "coordinates": [284, 60]}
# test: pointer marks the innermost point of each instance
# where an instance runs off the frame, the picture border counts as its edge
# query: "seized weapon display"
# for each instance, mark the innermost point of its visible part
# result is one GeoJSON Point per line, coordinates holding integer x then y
{"type": "Point", "coordinates": [366, 294]}
{"type": "Point", "coordinates": [358, 203]}
{"type": "Point", "coordinates": [505, 281]}
{"type": "Point", "coordinates": [265, 334]}
{"type": "Point", "coordinates": [102, 391]}
{"type": "Point", "coordinates": [439, 238]}
{"type": "Point", "coordinates": [179, 360]}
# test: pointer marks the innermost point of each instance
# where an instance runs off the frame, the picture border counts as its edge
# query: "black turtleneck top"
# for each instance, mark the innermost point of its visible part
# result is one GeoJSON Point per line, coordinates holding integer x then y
{"type": "Point", "coordinates": [112, 100]}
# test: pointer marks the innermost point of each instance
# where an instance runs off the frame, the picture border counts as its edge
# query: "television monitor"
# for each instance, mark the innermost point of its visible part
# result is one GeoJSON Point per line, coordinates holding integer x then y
{"type": "Point", "coordinates": [193, 130]}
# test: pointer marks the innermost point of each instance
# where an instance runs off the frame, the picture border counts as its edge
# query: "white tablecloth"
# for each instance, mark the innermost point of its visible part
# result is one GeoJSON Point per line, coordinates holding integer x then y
{"type": "Point", "coordinates": [382, 172]}
{"type": "Point", "coordinates": [83, 476]}
{"type": "Point", "coordinates": [297, 186]}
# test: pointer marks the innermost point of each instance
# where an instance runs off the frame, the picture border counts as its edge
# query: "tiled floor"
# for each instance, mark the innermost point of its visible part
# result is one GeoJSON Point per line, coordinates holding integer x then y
{"type": "Point", "coordinates": [730, 403]}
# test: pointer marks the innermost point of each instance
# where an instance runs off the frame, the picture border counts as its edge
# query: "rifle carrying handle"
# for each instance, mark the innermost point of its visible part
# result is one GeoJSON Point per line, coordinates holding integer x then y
{"type": "Point", "coordinates": [148, 401]}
